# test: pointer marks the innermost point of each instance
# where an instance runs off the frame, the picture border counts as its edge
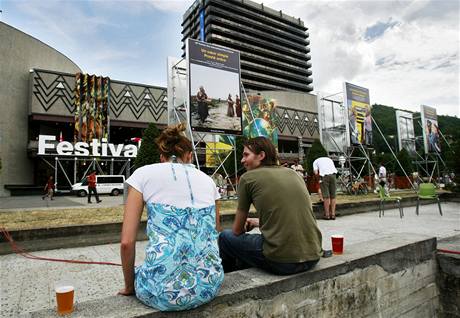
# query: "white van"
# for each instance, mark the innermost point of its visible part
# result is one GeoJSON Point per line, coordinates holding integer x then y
{"type": "Point", "coordinates": [112, 184]}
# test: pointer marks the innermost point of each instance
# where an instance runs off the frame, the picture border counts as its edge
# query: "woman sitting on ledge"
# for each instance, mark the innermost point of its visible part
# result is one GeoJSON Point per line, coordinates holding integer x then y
{"type": "Point", "coordinates": [182, 268]}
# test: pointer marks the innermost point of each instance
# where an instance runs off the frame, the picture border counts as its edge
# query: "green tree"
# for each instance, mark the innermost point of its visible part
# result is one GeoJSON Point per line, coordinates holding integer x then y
{"type": "Point", "coordinates": [316, 151]}
{"type": "Point", "coordinates": [230, 163]}
{"type": "Point", "coordinates": [405, 161]}
{"type": "Point", "coordinates": [148, 152]}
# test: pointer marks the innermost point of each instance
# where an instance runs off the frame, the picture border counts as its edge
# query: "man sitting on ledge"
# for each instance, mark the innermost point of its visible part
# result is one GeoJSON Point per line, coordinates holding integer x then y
{"type": "Point", "coordinates": [290, 241]}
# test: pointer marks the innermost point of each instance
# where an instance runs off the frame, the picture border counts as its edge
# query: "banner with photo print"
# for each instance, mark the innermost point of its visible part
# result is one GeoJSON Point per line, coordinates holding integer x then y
{"type": "Point", "coordinates": [357, 102]}
{"type": "Point", "coordinates": [214, 88]}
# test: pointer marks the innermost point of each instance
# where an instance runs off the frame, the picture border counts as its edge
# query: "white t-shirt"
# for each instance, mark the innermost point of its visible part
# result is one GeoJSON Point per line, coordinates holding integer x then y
{"type": "Point", "coordinates": [382, 172]}
{"type": "Point", "coordinates": [325, 166]}
{"type": "Point", "coordinates": [167, 183]}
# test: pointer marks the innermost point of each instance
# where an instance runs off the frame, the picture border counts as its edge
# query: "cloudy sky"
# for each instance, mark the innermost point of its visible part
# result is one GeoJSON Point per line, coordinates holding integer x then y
{"type": "Point", "coordinates": [405, 52]}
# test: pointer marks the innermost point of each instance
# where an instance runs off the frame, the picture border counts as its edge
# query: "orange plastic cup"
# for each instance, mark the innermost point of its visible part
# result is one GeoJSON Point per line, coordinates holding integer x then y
{"type": "Point", "coordinates": [337, 244]}
{"type": "Point", "coordinates": [64, 299]}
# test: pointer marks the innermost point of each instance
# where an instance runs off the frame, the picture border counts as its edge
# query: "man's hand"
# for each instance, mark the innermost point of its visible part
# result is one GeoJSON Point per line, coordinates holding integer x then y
{"type": "Point", "coordinates": [251, 223]}
{"type": "Point", "coordinates": [126, 291]}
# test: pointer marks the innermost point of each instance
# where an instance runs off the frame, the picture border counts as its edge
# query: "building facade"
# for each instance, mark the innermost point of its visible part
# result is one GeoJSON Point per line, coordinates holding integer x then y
{"type": "Point", "coordinates": [275, 62]}
{"type": "Point", "coordinates": [37, 97]}
{"type": "Point", "coordinates": [274, 47]}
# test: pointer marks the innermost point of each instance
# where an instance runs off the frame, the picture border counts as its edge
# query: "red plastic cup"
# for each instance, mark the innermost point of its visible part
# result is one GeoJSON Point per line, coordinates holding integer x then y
{"type": "Point", "coordinates": [337, 244]}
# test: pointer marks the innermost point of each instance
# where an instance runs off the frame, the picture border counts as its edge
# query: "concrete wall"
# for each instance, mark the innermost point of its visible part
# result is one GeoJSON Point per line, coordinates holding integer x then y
{"type": "Point", "coordinates": [19, 53]}
{"type": "Point", "coordinates": [448, 278]}
{"type": "Point", "coordinates": [389, 277]}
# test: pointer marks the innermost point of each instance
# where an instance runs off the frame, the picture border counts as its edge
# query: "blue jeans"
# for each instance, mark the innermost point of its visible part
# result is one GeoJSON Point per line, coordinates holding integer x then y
{"type": "Point", "coordinates": [246, 250]}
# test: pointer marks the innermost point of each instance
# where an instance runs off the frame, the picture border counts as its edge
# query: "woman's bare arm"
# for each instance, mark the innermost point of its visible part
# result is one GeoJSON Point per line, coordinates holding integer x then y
{"type": "Point", "coordinates": [131, 219]}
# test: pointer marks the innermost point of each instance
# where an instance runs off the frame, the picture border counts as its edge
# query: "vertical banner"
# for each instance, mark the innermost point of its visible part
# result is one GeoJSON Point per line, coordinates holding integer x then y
{"type": "Point", "coordinates": [202, 36]}
{"type": "Point", "coordinates": [214, 88]}
{"type": "Point", "coordinates": [91, 107]}
{"type": "Point", "coordinates": [406, 134]}
{"type": "Point", "coordinates": [105, 108]}
{"type": "Point", "coordinates": [359, 114]}
{"type": "Point", "coordinates": [78, 108]}
{"type": "Point", "coordinates": [259, 118]}
{"type": "Point", "coordinates": [430, 129]}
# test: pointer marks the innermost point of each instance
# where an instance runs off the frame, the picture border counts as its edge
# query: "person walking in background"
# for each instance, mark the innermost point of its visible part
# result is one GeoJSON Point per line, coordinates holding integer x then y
{"type": "Point", "coordinates": [92, 186]}
{"type": "Point", "coordinates": [49, 189]}
{"type": "Point", "coordinates": [325, 168]}
{"type": "Point", "coordinates": [230, 110]}
{"type": "Point", "coordinates": [182, 268]}
{"type": "Point", "coordinates": [290, 240]}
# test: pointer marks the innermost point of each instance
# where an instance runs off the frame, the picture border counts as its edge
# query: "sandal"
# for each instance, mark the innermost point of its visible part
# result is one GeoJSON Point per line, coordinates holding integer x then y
{"type": "Point", "coordinates": [333, 217]}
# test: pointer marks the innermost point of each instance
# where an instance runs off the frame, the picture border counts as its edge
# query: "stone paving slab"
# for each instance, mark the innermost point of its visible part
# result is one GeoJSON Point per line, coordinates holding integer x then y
{"type": "Point", "coordinates": [28, 285]}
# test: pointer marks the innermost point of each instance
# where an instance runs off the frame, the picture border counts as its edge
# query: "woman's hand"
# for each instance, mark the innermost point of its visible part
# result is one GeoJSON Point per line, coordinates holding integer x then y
{"type": "Point", "coordinates": [126, 291]}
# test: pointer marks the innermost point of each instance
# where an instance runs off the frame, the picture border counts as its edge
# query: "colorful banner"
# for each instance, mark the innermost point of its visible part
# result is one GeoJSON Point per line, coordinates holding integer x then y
{"type": "Point", "coordinates": [359, 114]}
{"type": "Point", "coordinates": [214, 88]}
{"type": "Point", "coordinates": [259, 118]}
{"type": "Point", "coordinates": [91, 107]}
{"type": "Point", "coordinates": [430, 129]}
{"type": "Point", "coordinates": [406, 134]}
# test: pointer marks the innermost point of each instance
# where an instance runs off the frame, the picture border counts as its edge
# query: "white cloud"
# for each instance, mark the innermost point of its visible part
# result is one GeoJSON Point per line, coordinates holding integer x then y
{"type": "Point", "coordinates": [412, 57]}
{"type": "Point", "coordinates": [414, 62]}
{"type": "Point", "coordinates": [179, 6]}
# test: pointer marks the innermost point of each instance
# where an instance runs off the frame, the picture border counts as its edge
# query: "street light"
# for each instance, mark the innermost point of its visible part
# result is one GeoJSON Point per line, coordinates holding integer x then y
{"type": "Point", "coordinates": [394, 142]}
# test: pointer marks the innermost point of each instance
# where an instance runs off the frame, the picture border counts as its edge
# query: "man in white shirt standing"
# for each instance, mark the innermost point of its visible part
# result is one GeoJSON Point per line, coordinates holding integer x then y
{"type": "Point", "coordinates": [383, 177]}
{"type": "Point", "coordinates": [325, 167]}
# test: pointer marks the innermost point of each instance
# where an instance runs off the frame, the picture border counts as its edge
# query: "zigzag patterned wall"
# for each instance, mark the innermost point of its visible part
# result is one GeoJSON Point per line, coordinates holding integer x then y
{"type": "Point", "coordinates": [293, 122]}
{"type": "Point", "coordinates": [53, 93]}
{"type": "Point", "coordinates": [138, 100]}
{"type": "Point", "coordinates": [52, 89]}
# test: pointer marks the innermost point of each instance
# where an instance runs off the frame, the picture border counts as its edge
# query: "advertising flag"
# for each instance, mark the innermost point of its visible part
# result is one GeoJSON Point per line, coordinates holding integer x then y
{"type": "Point", "coordinates": [359, 114]}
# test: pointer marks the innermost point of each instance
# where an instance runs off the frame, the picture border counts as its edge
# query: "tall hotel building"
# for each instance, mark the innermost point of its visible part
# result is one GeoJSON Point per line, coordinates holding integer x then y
{"type": "Point", "coordinates": [274, 46]}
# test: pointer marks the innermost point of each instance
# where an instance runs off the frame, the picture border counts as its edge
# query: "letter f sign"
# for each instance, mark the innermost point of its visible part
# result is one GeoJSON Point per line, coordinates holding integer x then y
{"type": "Point", "coordinates": [42, 143]}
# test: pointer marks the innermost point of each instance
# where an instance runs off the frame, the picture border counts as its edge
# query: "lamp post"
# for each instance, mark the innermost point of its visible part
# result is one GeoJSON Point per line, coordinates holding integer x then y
{"type": "Point", "coordinates": [393, 137]}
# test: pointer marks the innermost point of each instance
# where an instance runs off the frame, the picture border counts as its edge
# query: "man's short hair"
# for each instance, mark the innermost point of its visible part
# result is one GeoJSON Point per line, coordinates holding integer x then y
{"type": "Point", "coordinates": [259, 144]}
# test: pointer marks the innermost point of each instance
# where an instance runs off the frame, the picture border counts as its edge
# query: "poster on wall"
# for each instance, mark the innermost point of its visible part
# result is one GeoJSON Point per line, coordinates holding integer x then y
{"type": "Point", "coordinates": [406, 134]}
{"type": "Point", "coordinates": [91, 107]}
{"type": "Point", "coordinates": [430, 129]}
{"type": "Point", "coordinates": [214, 88]}
{"type": "Point", "coordinates": [359, 114]}
{"type": "Point", "coordinates": [259, 118]}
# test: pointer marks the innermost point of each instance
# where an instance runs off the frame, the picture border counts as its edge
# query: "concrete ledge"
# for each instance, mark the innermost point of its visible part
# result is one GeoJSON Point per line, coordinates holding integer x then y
{"type": "Point", "coordinates": [369, 206]}
{"type": "Point", "coordinates": [390, 255]}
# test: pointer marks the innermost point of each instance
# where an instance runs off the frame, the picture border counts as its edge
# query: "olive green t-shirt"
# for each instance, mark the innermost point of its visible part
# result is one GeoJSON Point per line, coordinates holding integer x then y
{"type": "Point", "coordinates": [286, 219]}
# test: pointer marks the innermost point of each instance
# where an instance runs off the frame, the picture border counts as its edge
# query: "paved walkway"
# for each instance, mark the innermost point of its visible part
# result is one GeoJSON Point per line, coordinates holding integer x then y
{"type": "Point", "coordinates": [35, 202]}
{"type": "Point", "coordinates": [28, 285]}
